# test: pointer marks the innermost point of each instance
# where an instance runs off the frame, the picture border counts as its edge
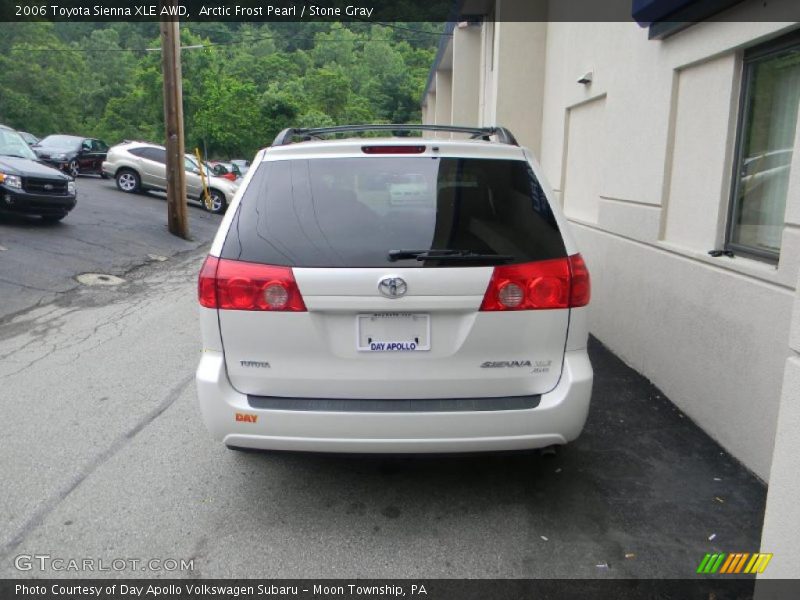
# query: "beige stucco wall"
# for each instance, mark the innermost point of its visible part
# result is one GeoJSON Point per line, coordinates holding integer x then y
{"type": "Point", "coordinates": [444, 91]}
{"type": "Point", "coordinates": [642, 160]}
{"type": "Point", "coordinates": [466, 75]}
{"type": "Point", "coordinates": [782, 517]}
{"type": "Point", "coordinates": [429, 108]}
{"type": "Point", "coordinates": [519, 65]}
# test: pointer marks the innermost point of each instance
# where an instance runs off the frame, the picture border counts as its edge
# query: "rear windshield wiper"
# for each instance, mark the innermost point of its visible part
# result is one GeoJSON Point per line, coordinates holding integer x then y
{"type": "Point", "coordinates": [446, 254]}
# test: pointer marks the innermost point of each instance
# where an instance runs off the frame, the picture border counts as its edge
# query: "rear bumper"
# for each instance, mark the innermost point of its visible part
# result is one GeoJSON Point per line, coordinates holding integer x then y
{"type": "Point", "coordinates": [558, 418]}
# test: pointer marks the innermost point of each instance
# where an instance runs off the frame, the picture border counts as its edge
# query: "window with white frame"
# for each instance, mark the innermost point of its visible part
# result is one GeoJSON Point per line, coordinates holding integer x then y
{"type": "Point", "coordinates": [764, 147]}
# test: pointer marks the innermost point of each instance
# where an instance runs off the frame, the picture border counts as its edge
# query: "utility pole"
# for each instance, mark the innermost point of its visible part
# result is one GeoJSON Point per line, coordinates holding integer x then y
{"type": "Point", "coordinates": [173, 124]}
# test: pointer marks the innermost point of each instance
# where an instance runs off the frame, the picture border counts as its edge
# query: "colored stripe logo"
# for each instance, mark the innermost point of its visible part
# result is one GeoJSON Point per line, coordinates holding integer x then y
{"type": "Point", "coordinates": [735, 562]}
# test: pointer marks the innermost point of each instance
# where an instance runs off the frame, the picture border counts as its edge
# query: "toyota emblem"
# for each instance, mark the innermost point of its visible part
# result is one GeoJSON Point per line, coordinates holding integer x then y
{"type": "Point", "coordinates": [393, 287]}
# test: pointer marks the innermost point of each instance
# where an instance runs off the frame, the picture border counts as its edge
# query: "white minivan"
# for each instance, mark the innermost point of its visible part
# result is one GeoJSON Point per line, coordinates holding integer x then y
{"type": "Point", "coordinates": [394, 294]}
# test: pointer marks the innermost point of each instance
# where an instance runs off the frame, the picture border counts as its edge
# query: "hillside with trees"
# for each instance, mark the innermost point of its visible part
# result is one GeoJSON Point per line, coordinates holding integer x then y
{"type": "Point", "coordinates": [247, 81]}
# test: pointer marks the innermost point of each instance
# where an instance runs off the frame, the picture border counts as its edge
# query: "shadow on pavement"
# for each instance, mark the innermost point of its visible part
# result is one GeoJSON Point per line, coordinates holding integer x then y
{"type": "Point", "coordinates": [643, 492]}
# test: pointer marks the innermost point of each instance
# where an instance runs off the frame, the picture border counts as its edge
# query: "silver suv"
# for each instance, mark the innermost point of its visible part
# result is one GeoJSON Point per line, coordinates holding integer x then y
{"type": "Point", "coordinates": [141, 166]}
{"type": "Point", "coordinates": [397, 294]}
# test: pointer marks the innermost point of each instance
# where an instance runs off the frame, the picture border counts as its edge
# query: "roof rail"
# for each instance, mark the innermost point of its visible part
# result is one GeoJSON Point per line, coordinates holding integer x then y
{"type": "Point", "coordinates": [504, 136]}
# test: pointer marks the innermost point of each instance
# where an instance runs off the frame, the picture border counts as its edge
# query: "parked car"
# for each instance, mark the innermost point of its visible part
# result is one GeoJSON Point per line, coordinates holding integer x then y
{"type": "Point", "coordinates": [243, 165]}
{"type": "Point", "coordinates": [29, 138]}
{"type": "Point", "coordinates": [29, 187]}
{"type": "Point", "coordinates": [72, 154]}
{"type": "Point", "coordinates": [336, 319]}
{"type": "Point", "coordinates": [142, 166]}
{"type": "Point", "coordinates": [227, 170]}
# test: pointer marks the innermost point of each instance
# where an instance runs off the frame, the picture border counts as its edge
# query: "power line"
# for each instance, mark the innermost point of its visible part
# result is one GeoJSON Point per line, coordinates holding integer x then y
{"type": "Point", "coordinates": [253, 38]}
{"type": "Point", "coordinates": [209, 45]}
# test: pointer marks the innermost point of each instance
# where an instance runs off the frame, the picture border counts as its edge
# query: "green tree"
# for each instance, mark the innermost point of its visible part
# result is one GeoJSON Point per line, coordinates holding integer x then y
{"type": "Point", "coordinates": [249, 81]}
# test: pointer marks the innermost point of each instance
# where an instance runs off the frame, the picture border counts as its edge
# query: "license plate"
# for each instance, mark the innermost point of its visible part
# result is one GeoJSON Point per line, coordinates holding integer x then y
{"type": "Point", "coordinates": [393, 332]}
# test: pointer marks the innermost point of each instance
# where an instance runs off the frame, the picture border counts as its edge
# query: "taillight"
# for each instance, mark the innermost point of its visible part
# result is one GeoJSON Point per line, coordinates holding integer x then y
{"type": "Point", "coordinates": [581, 289]}
{"type": "Point", "coordinates": [545, 284]}
{"type": "Point", "coordinates": [235, 285]}
{"type": "Point", "coordinates": [206, 283]}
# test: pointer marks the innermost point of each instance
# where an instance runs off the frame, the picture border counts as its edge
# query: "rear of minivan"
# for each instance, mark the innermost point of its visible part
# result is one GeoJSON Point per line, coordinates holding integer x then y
{"type": "Point", "coordinates": [394, 295]}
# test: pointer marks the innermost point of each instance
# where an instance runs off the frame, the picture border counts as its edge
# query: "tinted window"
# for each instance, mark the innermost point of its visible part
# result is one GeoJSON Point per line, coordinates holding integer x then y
{"type": "Point", "coordinates": [155, 154]}
{"type": "Point", "coordinates": [29, 138]}
{"type": "Point", "coordinates": [353, 211]}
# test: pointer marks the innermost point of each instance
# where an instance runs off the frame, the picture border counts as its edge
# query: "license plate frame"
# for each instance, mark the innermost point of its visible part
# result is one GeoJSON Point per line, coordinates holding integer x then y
{"type": "Point", "coordinates": [385, 324]}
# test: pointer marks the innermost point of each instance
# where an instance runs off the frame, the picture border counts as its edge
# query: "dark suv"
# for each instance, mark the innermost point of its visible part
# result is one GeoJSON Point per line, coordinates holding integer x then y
{"type": "Point", "coordinates": [27, 186]}
{"type": "Point", "coordinates": [73, 154]}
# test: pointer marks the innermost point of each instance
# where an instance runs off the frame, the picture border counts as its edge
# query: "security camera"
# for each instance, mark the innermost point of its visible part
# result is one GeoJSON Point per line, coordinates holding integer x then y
{"type": "Point", "coordinates": [586, 79]}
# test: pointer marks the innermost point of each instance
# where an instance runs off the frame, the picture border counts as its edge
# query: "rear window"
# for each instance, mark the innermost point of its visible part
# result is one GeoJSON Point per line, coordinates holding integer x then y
{"type": "Point", "coordinates": [352, 212]}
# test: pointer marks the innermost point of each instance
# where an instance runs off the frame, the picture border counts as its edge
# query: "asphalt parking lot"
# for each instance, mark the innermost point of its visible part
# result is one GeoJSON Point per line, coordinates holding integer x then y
{"type": "Point", "coordinates": [105, 454]}
{"type": "Point", "coordinates": [107, 232]}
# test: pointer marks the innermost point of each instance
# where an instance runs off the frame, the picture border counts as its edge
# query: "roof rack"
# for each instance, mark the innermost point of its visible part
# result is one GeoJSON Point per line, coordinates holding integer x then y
{"type": "Point", "coordinates": [504, 136]}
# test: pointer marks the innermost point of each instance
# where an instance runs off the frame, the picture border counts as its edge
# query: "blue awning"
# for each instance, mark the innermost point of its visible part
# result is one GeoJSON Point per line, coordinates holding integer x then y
{"type": "Point", "coordinates": [665, 17]}
{"type": "Point", "coordinates": [646, 12]}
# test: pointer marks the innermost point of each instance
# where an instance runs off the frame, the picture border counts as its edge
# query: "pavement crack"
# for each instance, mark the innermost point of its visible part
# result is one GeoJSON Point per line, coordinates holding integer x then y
{"type": "Point", "coordinates": [52, 503]}
{"type": "Point", "coordinates": [29, 287]}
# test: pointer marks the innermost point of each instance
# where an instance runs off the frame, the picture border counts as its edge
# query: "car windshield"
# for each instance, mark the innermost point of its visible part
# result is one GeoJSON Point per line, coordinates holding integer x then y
{"type": "Point", "coordinates": [61, 142]}
{"type": "Point", "coordinates": [353, 212]}
{"type": "Point", "coordinates": [12, 144]}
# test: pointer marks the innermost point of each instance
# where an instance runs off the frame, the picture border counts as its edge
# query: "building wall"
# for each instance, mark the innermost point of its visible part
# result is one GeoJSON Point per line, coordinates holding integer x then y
{"type": "Point", "coordinates": [519, 70]}
{"type": "Point", "coordinates": [466, 75]}
{"type": "Point", "coordinates": [429, 108]}
{"type": "Point", "coordinates": [641, 160]}
{"type": "Point", "coordinates": [782, 517]}
{"type": "Point", "coordinates": [444, 93]}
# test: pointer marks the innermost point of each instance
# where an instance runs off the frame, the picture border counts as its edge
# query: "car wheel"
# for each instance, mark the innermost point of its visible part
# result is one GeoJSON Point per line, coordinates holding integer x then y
{"type": "Point", "coordinates": [218, 202]}
{"type": "Point", "coordinates": [53, 218]}
{"type": "Point", "coordinates": [128, 181]}
{"type": "Point", "coordinates": [73, 168]}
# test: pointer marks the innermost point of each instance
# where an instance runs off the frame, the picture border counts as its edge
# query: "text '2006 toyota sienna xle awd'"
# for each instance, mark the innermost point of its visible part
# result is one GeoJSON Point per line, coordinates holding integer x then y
{"type": "Point", "coordinates": [394, 294]}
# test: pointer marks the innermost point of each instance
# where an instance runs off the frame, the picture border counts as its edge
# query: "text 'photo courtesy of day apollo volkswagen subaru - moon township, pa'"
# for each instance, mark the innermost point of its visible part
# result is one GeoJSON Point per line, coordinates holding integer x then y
{"type": "Point", "coordinates": [394, 294]}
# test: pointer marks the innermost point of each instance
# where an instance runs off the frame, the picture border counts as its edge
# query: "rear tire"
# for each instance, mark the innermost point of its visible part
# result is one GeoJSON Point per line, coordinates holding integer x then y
{"type": "Point", "coordinates": [128, 181]}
